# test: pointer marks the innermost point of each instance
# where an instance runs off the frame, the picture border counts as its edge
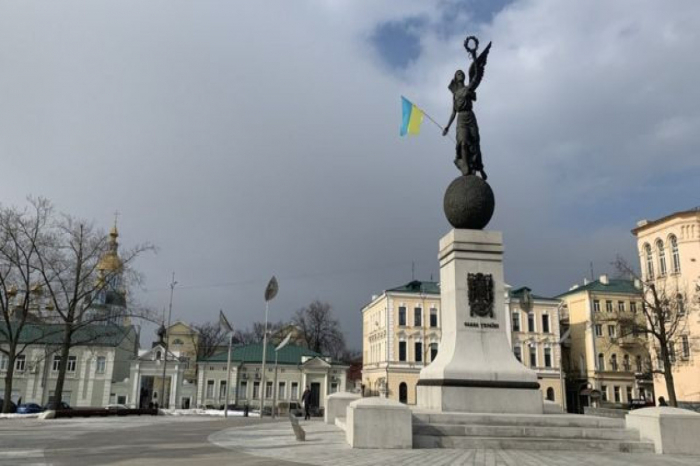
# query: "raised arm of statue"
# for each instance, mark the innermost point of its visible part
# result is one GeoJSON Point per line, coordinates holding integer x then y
{"type": "Point", "coordinates": [476, 70]}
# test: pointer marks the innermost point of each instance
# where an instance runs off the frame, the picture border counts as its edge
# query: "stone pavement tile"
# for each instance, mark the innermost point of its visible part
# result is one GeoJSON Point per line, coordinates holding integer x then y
{"type": "Point", "coordinates": [326, 446]}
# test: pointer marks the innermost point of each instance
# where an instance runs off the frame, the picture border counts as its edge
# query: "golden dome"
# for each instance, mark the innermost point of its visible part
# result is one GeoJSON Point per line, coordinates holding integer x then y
{"type": "Point", "coordinates": [111, 262]}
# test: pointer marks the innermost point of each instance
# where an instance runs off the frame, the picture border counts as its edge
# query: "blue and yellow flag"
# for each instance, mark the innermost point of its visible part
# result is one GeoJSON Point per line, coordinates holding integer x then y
{"type": "Point", "coordinates": [412, 117]}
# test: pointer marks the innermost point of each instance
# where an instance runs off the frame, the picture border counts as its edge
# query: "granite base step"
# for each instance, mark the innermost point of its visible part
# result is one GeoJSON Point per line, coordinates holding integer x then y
{"type": "Point", "coordinates": [531, 443]}
{"type": "Point", "coordinates": [563, 433]}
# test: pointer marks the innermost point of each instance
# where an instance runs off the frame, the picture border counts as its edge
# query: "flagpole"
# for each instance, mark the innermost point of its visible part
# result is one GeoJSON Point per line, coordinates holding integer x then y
{"type": "Point", "coordinates": [435, 123]}
{"type": "Point", "coordinates": [228, 375]}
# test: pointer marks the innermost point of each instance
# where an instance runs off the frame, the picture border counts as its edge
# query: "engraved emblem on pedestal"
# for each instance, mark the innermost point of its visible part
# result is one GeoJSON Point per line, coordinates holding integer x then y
{"type": "Point", "coordinates": [480, 289]}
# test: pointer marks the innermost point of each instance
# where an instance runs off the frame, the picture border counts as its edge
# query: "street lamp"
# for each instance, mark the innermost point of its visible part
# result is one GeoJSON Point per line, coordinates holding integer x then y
{"type": "Point", "coordinates": [270, 293]}
{"type": "Point", "coordinates": [226, 326]}
{"type": "Point", "coordinates": [167, 338]}
{"type": "Point", "coordinates": [284, 343]}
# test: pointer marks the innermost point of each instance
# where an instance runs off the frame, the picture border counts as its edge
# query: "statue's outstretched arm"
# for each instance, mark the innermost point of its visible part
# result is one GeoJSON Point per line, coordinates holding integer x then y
{"type": "Point", "coordinates": [449, 123]}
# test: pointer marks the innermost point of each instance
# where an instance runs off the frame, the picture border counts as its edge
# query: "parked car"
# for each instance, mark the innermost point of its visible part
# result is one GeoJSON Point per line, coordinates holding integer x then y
{"type": "Point", "coordinates": [115, 407]}
{"type": "Point", "coordinates": [61, 405]}
{"type": "Point", "coordinates": [29, 408]}
{"type": "Point", "coordinates": [13, 407]}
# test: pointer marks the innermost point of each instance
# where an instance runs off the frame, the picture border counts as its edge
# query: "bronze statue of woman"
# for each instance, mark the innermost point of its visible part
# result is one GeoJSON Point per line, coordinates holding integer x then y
{"type": "Point", "coordinates": [468, 157]}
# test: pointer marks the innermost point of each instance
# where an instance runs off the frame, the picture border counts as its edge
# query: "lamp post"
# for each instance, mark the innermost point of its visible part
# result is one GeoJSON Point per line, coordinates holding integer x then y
{"type": "Point", "coordinates": [284, 343]}
{"type": "Point", "coordinates": [167, 338]}
{"type": "Point", "coordinates": [270, 293]}
{"type": "Point", "coordinates": [223, 322]}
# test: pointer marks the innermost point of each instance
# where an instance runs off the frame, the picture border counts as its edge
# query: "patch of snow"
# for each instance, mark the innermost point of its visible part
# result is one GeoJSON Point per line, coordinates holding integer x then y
{"type": "Point", "coordinates": [19, 416]}
{"type": "Point", "coordinates": [206, 412]}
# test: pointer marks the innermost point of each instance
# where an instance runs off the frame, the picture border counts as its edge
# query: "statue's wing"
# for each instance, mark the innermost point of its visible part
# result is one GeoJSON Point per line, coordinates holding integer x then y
{"type": "Point", "coordinates": [476, 70]}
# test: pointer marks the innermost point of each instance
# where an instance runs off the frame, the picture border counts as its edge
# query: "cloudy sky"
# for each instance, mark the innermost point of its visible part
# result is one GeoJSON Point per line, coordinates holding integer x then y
{"type": "Point", "coordinates": [247, 139]}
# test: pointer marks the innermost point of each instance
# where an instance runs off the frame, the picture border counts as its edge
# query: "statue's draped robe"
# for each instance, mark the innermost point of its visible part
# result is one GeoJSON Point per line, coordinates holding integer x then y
{"type": "Point", "coordinates": [468, 143]}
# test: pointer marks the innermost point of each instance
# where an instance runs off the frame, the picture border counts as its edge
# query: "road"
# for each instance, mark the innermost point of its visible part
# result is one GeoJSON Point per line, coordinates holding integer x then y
{"type": "Point", "coordinates": [146, 441]}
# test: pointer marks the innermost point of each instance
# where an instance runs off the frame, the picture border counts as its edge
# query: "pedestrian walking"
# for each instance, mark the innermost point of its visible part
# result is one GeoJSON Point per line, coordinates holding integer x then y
{"type": "Point", "coordinates": [306, 399]}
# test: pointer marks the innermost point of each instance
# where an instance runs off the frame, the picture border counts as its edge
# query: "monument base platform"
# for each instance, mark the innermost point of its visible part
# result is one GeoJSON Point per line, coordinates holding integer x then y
{"type": "Point", "coordinates": [449, 399]}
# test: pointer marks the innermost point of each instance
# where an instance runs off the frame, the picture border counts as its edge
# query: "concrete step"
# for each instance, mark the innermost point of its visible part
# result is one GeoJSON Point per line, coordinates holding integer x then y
{"type": "Point", "coordinates": [530, 443]}
{"type": "Point", "coordinates": [503, 431]}
{"type": "Point", "coordinates": [542, 420]}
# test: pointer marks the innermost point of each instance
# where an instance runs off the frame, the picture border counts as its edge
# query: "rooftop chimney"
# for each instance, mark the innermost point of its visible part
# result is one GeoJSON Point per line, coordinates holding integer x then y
{"type": "Point", "coordinates": [604, 279]}
{"type": "Point", "coordinates": [585, 281]}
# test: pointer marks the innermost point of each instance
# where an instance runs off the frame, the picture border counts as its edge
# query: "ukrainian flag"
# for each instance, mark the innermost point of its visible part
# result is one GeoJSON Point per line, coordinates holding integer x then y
{"type": "Point", "coordinates": [412, 117]}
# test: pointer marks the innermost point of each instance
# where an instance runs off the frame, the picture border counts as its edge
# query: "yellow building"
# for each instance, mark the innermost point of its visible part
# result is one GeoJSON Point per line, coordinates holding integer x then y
{"type": "Point", "coordinates": [182, 340]}
{"type": "Point", "coordinates": [400, 334]}
{"type": "Point", "coordinates": [669, 254]}
{"type": "Point", "coordinates": [534, 335]}
{"type": "Point", "coordinates": [606, 365]}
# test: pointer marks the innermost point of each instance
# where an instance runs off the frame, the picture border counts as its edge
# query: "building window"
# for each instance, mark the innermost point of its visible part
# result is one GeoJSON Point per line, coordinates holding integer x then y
{"type": "Point", "coordinates": [268, 389]}
{"type": "Point", "coordinates": [604, 392]}
{"type": "Point", "coordinates": [402, 315]}
{"type": "Point", "coordinates": [281, 390]}
{"type": "Point", "coordinates": [244, 389]}
{"type": "Point", "coordinates": [56, 363]}
{"type": "Point", "coordinates": [547, 357]}
{"type": "Point", "coordinates": [550, 394]}
{"type": "Point", "coordinates": [626, 366]}
{"type": "Point", "coordinates": [222, 389]}
{"type": "Point", "coordinates": [649, 261]}
{"type": "Point", "coordinates": [612, 331]}
{"type": "Point", "coordinates": [516, 321]}
{"type": "Point", "coordinates": [20, 363]}
{"type": "Point", "coordinates": [545, 323]}
{"type": "Point", "coordinates": [402, 351]}
{"type": "Point", "coordinates": [159, 355]}
{"type": "Point", "coordinates": [295, 390]}
{"type": "Point", "coordinates": [72, 363]}
{"type": "Point", "coordinates": [596, 306]}
{"type": "Point", "coordinates": [680, 304]}
{"type": "Point", "coordinates": [3, 362]}
{"type": "Point", "coordinates": [101, 364]}
{"type": "Point", "coordinates": [433, 351]}
{"type": "Point", "coordinates": [629, 394]}
{"type": "Point", "coordinates": [613, 362]}
{"type": "Point", "coordinates": [633, 307]}
{"type": "Point", "coordinates": [675, 255]}
{"type": "Point", "coordinates": [616, 390]}
{"type": "Point", "coordinates": [418, 348]}
{"type": "Point", "coordinates": [433, 318]}
{"type": "Point", "coordinates": [530, 322]}
{"type": "Point", "coordinates": [621, 306]}
{"type": "Point", "coordinates": [662, 257]}
{"type": "Point", "coordinates": [672, 351]}
{"type": "Point", "coordinates": [638, 363]}
{"type": "Point", "coordinates": [598, 330]}
{"type": "Point", "coordinates": [334, 387]}
{"type": "Point", "coordinates": [417, 317]}
{"type": "Point", "coordinates": [518, 352]}
{"type": "Point", "coordinates": [533, 356]}
{"type": "Point", "coordinates": [601, 362]}
{"type": "Point", "coordinates": [256, 390]}
{"type": "Point", "coordinates": [210, 389]}
{"type": "Point", "coordinates": [685, 346]}
{"type": "Point", "coordinates": [608, 306]}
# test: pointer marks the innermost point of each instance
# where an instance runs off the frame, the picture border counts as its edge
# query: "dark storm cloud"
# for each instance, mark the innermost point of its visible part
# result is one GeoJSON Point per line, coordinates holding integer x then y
{"type": "Point", "coordinates": [247, 141]}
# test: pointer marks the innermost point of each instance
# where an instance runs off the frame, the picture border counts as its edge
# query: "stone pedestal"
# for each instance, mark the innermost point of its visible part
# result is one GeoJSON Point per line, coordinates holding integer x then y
{"type": "Point", "coordinates": [672, 430]}
{"type": "Point", "coordinates": [378, 423]}
{"type": "Point", "coordinates": [337, 404]}
{"type": "Point", "coordinates": [475, 369]}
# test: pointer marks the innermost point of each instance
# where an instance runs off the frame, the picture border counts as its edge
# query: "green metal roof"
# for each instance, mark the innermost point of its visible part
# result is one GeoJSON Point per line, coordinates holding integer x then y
{"type": "Point", "coordinates": [290, 354]}
{"type": "Point", "coordinates": [52, 334]}
{"type": "Point", "coordinates": [418, 287]}
{"type": "Point", "coordinates": [517, 293]}
{"type": "Point", "coordinates": [615, 285]}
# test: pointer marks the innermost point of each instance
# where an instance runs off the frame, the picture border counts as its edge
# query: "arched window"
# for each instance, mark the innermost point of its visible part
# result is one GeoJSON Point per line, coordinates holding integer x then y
{"type": "Point", "coordinates": [550, 394]}
{"type": "Point", "coordinates": [662, 257]}
{"type": "Point", "coordinates": [613, 362]}
{"type": "Point", "coordinates": [650, 262]}
{"type": "Point", "coordinates": [158, 355]}
{"type": "Point", "coordinates": [675, 254]}
{"type": "Point", "coordinates": [178, 342]}
{"type": "Point", "coordinates": [626, 363]}
{"type": "Point", "coordinates": [601, 362]}
{"type": "Point", "coordinates": [638, 363]}
{"type": "Point", "coordinates": [403, 392]}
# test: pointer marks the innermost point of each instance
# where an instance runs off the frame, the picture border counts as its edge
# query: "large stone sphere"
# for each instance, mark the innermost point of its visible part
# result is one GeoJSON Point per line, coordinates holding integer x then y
{"type": "Point", "coordinates": [469, 203]}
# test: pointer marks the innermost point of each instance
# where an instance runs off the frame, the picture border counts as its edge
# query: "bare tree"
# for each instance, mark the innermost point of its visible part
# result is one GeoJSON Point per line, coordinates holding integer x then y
{"type": "Point", "coordinates": [208, 339]}
{"type": "Point", "coordinates": [76, 268]}
{"type": "Point", "coordinates": [22, 234]}
{"type": "Point", "coordinates": [319, 329]}
{"type": "Point", "coordinates": [665, 312]}
{"type": "Point", "coordinates": [254, 334]}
